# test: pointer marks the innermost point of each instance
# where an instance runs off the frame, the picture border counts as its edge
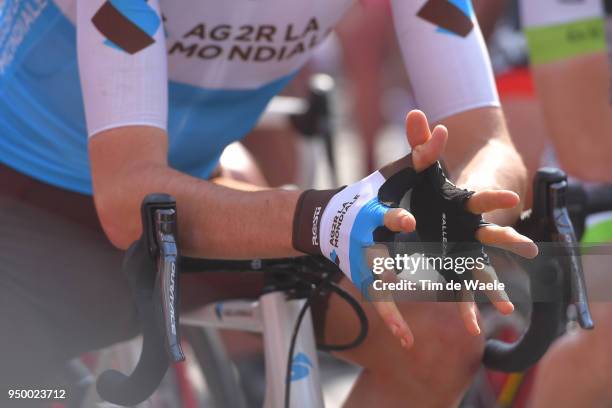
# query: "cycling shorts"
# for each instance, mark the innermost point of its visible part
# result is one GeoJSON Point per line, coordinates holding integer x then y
{"type": "Point", "coordinates": [62, 291]}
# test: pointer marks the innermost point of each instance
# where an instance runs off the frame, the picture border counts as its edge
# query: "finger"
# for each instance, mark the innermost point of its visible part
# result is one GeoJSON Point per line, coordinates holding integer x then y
{"type": "Point", "coordinates": [426, 147]}
{"type": "Point", "coordinates": [399, 219]}
{"type": "Point", "coordinates": [490, 200]}
{"type": "Point", "coordinates": [376, 256]}
{"type": "Point", "coordinates": [387, 309]}
{"type": "Point", "coordinates": [426, 154]}
{"type": "Point", "coordinates": [417, 128]}
{"type": "Point", "coordinates": [394, 320]}
{"type": "Point", "coordinates": [468, 312]}
{"type": "Point", "coordinates": [499, 298]}
{"type": "Point", "coordinates": [508, 239]}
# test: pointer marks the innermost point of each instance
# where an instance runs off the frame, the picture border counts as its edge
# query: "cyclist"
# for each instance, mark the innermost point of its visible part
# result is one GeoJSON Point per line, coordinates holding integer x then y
{"type": "Point", "coordinates": [160, 89]}
{"type": "Point", "coordinates": [567, 45]}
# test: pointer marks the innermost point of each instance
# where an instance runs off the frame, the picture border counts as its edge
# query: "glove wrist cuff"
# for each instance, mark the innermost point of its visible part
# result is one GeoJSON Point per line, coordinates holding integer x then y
{"type": "Point", "coordinates": [307, 220]}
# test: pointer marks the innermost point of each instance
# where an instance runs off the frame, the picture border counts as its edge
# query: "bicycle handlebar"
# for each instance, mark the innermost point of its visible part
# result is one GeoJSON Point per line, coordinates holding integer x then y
{"type": "Point", "coordinates": [152, 265]}
{"type": "Point", "coordinates": [548, 222]}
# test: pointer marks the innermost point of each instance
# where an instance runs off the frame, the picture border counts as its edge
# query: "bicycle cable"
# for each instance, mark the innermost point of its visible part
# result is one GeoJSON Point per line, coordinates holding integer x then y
{"type": "Point", "coordinates": [347, 297]}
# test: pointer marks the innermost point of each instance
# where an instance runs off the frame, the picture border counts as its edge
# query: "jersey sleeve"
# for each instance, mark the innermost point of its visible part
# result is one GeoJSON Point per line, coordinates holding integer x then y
{"type": "Point", "coordinates": [558, 31]}
{"type": "Point", "coordinates": [122, 64]}
{"type": "Point", "coordinates": [445, 56]}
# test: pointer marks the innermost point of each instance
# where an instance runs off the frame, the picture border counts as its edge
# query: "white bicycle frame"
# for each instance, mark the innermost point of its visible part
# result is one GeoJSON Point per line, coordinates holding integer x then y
{"type": "Point", "coordinates": [274, 316]}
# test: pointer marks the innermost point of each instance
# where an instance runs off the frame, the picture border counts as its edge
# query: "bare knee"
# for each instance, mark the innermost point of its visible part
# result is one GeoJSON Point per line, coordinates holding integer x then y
{"type": "Point", "coordinates": [598, 169]}
{"type": "Point", "coordinates": [444, 352]}
{"type": "Point", "coordinates": [578, 353]}
{"type": "Point", "coordinates": [595, 344]}
{"type": "Point", "coordinates": [444, 356]}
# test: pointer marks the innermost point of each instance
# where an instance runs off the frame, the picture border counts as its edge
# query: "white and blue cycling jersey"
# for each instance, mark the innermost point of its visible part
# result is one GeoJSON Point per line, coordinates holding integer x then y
{"type": "Point", "coordinates": [203, 70]}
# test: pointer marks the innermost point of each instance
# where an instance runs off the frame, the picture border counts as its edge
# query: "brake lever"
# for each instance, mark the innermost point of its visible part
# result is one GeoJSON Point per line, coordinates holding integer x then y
{"type": "Point", "coordinates": [563, 233]}
{"type": "Point", "coordinates": [160, 228]}
{"type": "Point", "coordinates": [167, 283]}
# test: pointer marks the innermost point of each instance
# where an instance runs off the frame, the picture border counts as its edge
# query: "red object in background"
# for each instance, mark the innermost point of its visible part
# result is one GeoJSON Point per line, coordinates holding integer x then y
{"type": "Point", "coordinates": [498, 379]}
{"type": "Point", "coordinates": [522, 399]}
{"type": "Point", "coordinates": [516, 83]}
{"type": "Point", "coordinates": [187, 393]}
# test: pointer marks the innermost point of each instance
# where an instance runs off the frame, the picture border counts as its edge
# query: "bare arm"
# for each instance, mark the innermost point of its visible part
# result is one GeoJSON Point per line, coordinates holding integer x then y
{"type": "Point", "coordinates": [125, 90]}
{"type": "Point", "coordinates": [450, 74]}
{"type": "Point", "coordinates": [575, 99]}
{"type": "Point", "coordinates": [480, 155]}
{"type": "Point", "coordinates": [130, 162]}
{"type": "Point", "coordinates": [567, 49]}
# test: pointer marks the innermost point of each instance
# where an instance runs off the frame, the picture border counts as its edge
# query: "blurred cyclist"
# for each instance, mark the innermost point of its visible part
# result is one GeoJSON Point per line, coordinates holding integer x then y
{"type": "Point", "coordinates": [568, 51]}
